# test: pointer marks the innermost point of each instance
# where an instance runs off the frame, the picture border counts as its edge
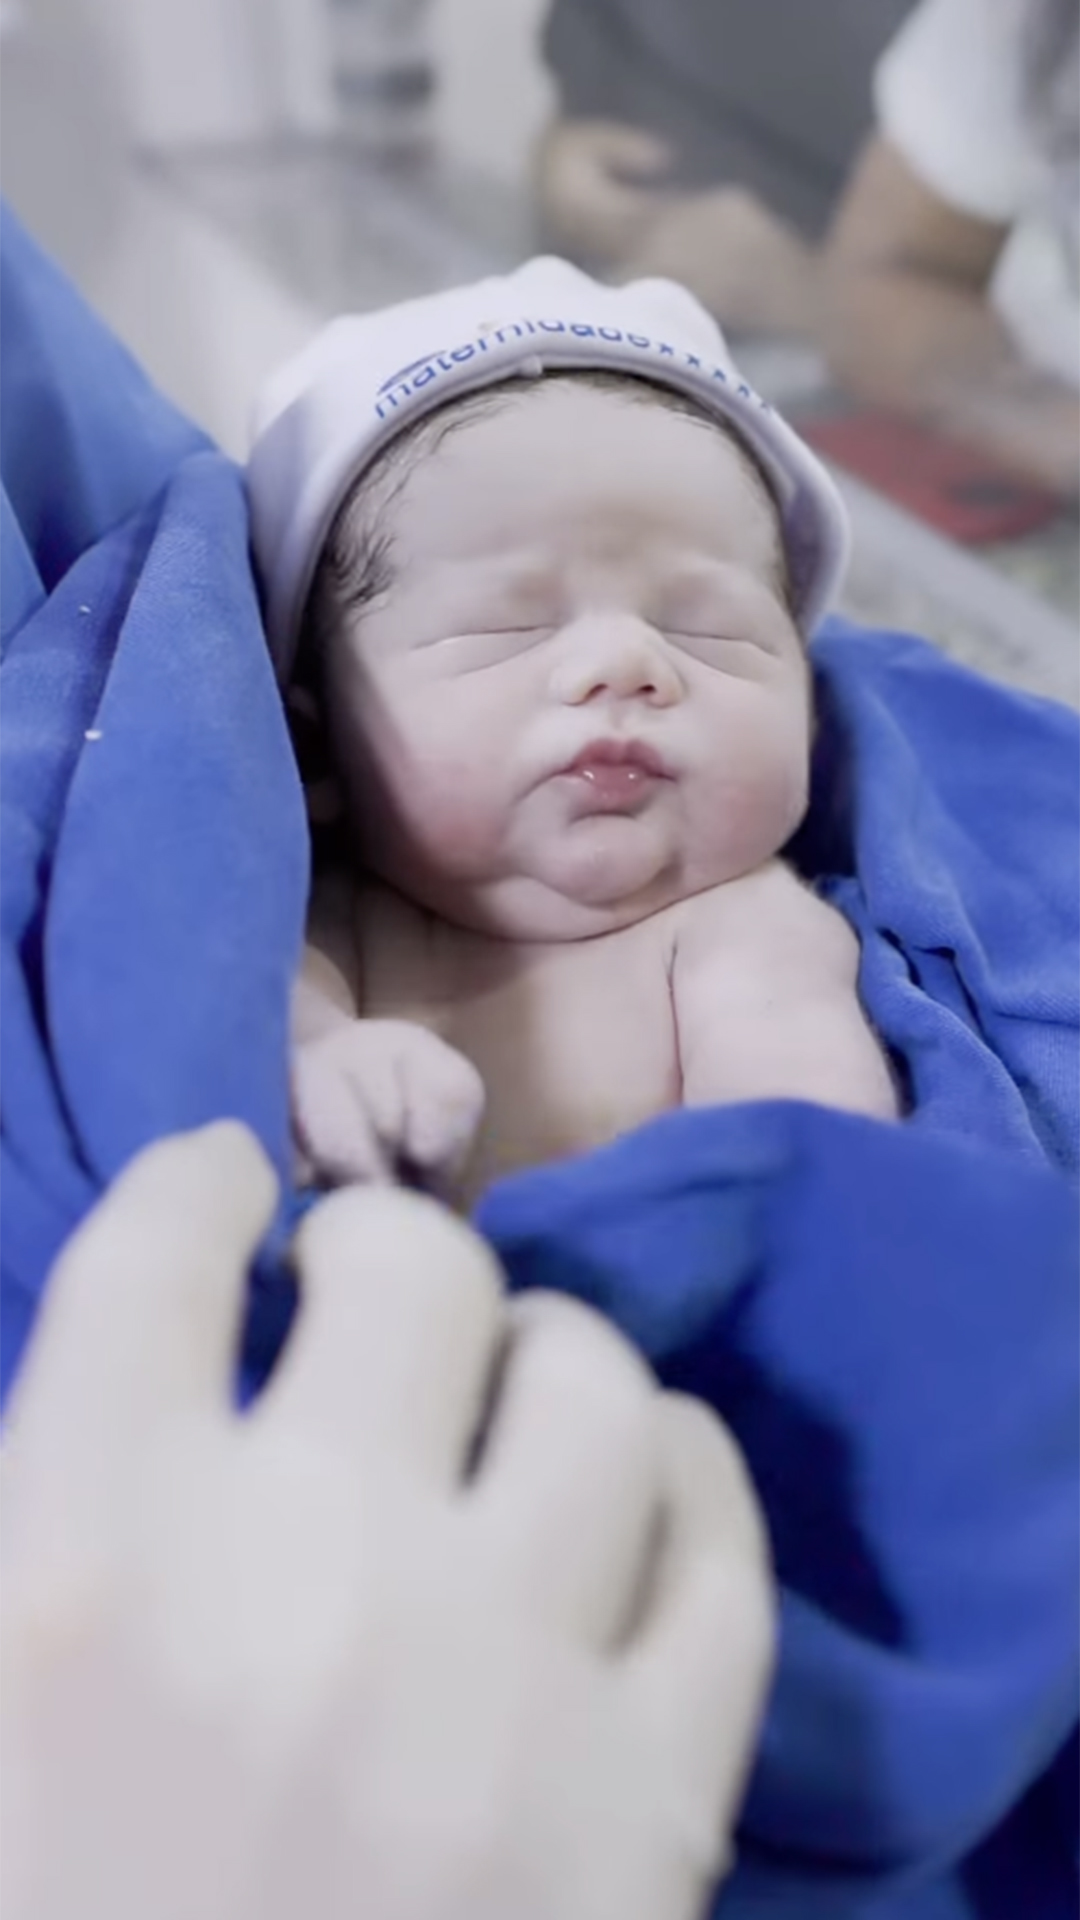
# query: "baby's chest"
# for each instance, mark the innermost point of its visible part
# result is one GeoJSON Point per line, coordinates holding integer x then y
{"type": "Point", "coordinates": [575, 1042]}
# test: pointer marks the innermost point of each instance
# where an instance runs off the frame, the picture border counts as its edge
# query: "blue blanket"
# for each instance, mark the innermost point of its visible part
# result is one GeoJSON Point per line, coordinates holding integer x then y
{"type": "Point", "coordinates": [886, 1315]}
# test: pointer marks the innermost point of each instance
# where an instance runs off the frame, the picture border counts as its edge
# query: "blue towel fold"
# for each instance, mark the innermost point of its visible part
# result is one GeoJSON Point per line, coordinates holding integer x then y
{"type": "Point", "coordinates": [886, 1315]}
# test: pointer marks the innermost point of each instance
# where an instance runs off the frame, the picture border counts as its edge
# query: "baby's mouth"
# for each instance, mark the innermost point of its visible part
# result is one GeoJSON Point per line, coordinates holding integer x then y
{"type": "Point", "coordinates": [614, 776]}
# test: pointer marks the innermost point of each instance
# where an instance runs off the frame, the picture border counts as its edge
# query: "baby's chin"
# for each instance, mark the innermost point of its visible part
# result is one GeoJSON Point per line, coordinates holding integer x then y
{"type": "Point", "coordinates": [610, 867]}
{"type": "Point", "coordinates": [575, 888]}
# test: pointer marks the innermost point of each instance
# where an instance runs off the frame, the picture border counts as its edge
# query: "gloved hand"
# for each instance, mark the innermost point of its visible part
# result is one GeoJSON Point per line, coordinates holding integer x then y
{"type": "Point", "coordinates": [464, 1620]}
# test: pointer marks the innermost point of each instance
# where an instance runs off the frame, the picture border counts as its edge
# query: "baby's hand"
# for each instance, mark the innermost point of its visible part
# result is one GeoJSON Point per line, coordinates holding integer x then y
{"type": "Point", "coordinates": [373, 1098]}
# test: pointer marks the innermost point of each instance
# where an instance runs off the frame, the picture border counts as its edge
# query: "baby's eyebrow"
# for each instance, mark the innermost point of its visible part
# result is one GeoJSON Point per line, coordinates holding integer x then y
{"type": "Point", "coordinates": [524, 583]}
{"type": "Point", "coordinates": [698, 589]}
{"type": "Point", "coordinates": [700, 574]}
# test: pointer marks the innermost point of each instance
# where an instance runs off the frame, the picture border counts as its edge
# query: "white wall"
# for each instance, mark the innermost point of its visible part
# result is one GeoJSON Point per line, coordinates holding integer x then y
{"type": "Point", "coordinates": [219, 70]}
{"type": "Point", "coordinates": [495, 95]}
{"type": "Point", "coordinates": [87, 81]}
{"type": "Point", "coordinates": [222, 70]}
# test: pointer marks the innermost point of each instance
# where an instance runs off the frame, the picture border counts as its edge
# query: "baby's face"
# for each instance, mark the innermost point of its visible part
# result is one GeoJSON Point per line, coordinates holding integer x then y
{"type": "Point", "coordinates": [582, 698]}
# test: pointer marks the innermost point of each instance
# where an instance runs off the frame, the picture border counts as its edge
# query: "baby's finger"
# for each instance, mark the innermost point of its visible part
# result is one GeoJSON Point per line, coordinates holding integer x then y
{"type": "Point", "coordinates": [702, 1659]}
{"type": "Point", "coordinates": [140, 1316]}
{"type": "Point", "coordinates": [333, 1128]}
{"type": "Point", "coordinates": [441, 1119]}
{"type": "Point", "coordinates": [401, 1317]}
{"type": "Point", "coordinates": [569, 1482]}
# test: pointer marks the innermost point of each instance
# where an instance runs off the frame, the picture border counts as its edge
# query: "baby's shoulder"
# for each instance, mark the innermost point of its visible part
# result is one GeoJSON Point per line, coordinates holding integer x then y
{"type": "Point", "coordinates": [772, 891]}
{"type": "Point", "coordinates": [769, 914]}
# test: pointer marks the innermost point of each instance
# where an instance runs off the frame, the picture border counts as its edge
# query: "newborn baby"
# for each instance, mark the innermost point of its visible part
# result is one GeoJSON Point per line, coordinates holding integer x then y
{"type": "Point", "coordinates": [552, 628]}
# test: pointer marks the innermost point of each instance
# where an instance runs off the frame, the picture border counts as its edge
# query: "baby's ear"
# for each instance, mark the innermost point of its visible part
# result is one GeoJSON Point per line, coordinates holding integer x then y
{"type": "Point", "coordinates": [321, 789]}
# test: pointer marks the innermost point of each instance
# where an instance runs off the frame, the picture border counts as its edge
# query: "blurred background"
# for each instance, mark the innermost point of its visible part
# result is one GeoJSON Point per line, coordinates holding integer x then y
{"type": "Point", "coordinates": [220, 176]}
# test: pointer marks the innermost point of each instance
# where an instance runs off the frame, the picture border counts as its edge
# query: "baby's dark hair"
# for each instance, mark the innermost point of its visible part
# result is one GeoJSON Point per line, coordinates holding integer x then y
{"type": "Point", "coordinates": [355, 567]}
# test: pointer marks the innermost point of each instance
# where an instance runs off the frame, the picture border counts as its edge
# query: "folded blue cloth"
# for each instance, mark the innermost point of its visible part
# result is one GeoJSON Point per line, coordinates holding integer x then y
{"type": "Point", "coordinates": [155, 861]}
{"type": "Point", "coordinates": [886, 1315]}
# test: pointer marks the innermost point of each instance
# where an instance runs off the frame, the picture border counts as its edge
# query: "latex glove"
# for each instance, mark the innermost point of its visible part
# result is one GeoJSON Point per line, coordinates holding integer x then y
{"type": "Point", "coordinates": [339, 1656]}
{"type": "Point", "coordinates": [371, 1097]}
{"type": "Point", "coordinates": [747, 266]}
{"type": "Point", "coordinates": [601, 184]}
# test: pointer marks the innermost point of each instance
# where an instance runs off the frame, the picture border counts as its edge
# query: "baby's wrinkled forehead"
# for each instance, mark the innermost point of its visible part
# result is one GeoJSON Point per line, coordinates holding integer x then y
{"type": "Point", "coordinates": [561, 444]}
{"type": "Point", "coordinates": [603, 399]}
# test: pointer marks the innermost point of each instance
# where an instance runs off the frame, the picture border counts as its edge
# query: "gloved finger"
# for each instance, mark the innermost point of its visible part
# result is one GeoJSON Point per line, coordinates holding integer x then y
{"type": "Point", "coordinates": [568, 1485]}
{"type": "Point", "coordinates": [400, 1321]}
{"type": "Point", "coordinates": [702, 1657]}
{"type": "Point", "coordinates": [140, 1318]}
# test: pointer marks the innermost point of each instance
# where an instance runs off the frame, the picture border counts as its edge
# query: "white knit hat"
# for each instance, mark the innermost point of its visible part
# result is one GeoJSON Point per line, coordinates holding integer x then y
{"type": "Point", "coordinates": [325, 415]}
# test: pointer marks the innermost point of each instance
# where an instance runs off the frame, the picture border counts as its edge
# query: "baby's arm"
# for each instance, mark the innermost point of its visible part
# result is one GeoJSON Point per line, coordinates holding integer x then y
{"type": "Point", "coordinates": [764, 990]}
{"type": "Point", "coordinates": [371, 1099]}
{"type": "Point", "coordinates": [326, 996]}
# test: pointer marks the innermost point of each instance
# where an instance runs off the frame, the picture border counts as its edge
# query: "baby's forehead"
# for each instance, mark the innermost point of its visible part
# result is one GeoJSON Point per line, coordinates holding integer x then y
{"type": "Point", "coordinates": [601, 400]}
{"type": "Point", "coordinates": [597, 456]}
{"type": "Point", "coordinates": [533, 477]}
{"type": "Point", "coordinates": [573, 431]}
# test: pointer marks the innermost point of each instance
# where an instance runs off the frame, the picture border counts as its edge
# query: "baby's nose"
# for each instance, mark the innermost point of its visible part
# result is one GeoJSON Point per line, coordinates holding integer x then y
{"type": "Point", "coordinates": [615, 658]}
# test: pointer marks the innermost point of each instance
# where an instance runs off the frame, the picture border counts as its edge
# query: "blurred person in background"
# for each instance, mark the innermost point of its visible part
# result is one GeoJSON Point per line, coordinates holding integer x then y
{"type": "Point", "coordinates": [951, 291]}
{"type": "Point", "coordinates": [709, 142]}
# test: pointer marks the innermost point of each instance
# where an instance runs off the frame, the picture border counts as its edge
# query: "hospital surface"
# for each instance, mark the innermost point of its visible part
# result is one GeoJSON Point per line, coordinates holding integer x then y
{"type": "Point", "coordinates": [215, 212]}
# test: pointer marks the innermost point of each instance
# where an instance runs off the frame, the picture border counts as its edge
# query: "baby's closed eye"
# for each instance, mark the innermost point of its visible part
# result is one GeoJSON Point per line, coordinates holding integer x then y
{"type": "Point", "coordinates": [485, 646]}
{"type": "Point", "coordinates": [722, 616]}
{"type": "Point", "coordinates": [482, 624]}
{"type": "Point", "coordinates": [731, 652]}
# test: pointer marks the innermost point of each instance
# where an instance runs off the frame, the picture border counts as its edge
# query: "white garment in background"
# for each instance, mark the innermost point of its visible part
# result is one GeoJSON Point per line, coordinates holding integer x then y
{"type": "Point", "coordinates": [951, 97]}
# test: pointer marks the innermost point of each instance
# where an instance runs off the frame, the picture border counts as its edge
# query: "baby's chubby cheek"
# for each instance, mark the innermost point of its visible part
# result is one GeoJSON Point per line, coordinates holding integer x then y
{"type": "Point", "coordinates": [748, 812]}
{"type": "Point", "coordinates": [435, 807]}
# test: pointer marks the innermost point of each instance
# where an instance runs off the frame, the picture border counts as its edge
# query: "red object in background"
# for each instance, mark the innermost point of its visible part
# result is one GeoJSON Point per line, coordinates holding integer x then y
{"type": "Point", "coordinates": [954, 488]}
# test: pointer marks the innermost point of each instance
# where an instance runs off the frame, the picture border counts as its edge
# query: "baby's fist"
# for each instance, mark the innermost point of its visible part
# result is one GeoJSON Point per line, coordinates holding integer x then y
{"type": "Point", "coordinates": [373, 1099]}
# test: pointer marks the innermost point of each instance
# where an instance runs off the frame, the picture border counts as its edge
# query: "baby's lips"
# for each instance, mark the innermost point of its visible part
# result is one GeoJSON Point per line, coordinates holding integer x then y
{"type": "Point", "coordinates": [622, 781]}
{"type": "Point", "coordinates": [632, 756]}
